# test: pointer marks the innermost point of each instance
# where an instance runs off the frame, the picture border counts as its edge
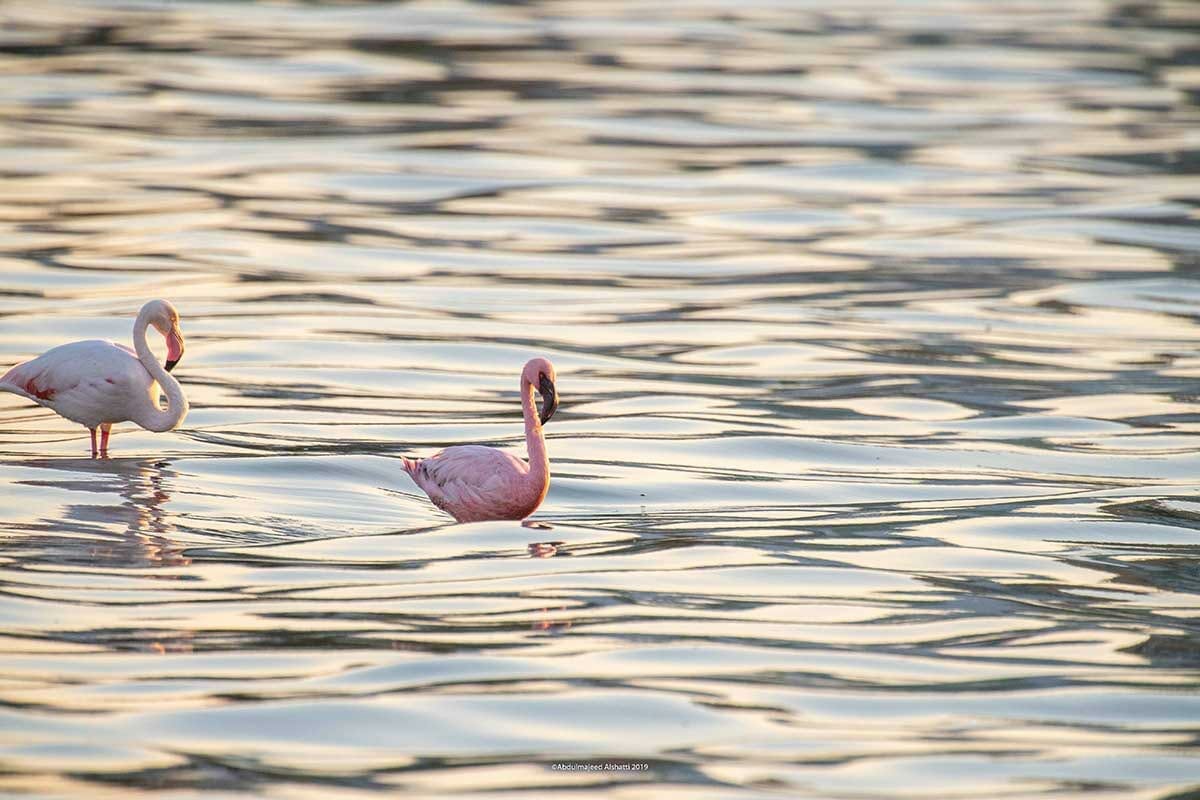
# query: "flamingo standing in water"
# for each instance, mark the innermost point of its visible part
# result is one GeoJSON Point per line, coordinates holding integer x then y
{"type": "Point", "coordinates": [97, 383]}
{"type": "Point", "coordinates": [473, 483]}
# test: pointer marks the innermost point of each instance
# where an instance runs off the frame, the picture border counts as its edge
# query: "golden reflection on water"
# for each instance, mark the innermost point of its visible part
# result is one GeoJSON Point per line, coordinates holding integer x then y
{"type": "Point", "coordinates": [877, 325]}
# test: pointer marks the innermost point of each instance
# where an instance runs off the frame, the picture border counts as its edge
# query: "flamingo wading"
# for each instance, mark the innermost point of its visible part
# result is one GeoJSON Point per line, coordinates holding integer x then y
{"type": "Point", "coordinates": [97, 383]}
{"type": "Point", "coordinates": [473, 483]}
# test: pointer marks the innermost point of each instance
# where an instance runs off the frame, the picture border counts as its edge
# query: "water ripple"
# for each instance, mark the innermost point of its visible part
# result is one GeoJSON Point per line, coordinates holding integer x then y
{"type": "Point", "coordinates": [875, 329]}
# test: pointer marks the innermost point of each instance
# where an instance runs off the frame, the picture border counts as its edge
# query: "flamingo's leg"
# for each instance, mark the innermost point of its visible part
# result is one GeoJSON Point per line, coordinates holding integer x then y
{"type": "Point", "coordinates": [93, 432]}
{"type": "Point", "coordinates": [104, 431]}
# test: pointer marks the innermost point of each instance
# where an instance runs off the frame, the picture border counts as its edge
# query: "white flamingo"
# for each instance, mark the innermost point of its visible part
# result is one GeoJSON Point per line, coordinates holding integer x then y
{"type": "Point", "coordinates": [97, 383]}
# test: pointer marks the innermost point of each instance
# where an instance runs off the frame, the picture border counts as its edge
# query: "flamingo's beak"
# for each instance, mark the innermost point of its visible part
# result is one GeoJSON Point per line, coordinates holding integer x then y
{"type": "Point", "coordinates": [174, 348]}
{"type": "Point", "coordinates": [549, 399]}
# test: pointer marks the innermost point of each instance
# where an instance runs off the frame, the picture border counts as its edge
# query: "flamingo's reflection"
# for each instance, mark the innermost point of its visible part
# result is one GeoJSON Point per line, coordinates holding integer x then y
{"type": "Point", "coordinates": [126, 525]}
{"type": "Point", "coordinates": [544, 549]}
{"type": "Point", "coordinates": [547, 622]}
{"type": "Point", "coordinates": [122, 524]}
{"type": "Point", "coordinates": [541, 549]}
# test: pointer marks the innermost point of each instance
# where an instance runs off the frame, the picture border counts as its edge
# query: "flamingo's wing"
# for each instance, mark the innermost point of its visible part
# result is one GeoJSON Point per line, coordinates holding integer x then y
{"type": "Point", "coordinates": [89, 382]}
{"type": "Point", "coordinates": [470, 478]}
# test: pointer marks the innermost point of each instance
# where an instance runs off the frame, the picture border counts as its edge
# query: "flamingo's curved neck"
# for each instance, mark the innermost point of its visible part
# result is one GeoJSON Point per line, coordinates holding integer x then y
{"type": "Point", "coordinates": [151, 417]}
{"type": "Point", "coordinates": [539, 462]}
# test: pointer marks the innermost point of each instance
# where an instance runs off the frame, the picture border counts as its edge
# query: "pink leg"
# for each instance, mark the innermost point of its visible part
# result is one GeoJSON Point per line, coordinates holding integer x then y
{"type": "Point", "coordinates": [104, 431]}
{"type": "Point", "coordinates": [93, 431]}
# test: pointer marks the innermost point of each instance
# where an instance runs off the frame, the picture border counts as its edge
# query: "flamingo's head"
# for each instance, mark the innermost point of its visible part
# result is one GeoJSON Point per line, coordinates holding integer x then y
{"type": "Point", "coordinates": [165, 319]}
{"type": "Point", "coordinates": [539, 373]}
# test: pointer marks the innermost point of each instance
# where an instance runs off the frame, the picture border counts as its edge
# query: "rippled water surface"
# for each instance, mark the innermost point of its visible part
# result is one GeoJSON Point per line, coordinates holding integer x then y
{"type": "Point", "coordinates": [876, 470]}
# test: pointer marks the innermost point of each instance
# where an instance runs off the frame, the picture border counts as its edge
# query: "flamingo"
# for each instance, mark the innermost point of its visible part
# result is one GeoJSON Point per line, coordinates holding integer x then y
{"type": "Point", "coordinates": [473, 483]}
{"type": "Point", "coordinates": [97, 382]}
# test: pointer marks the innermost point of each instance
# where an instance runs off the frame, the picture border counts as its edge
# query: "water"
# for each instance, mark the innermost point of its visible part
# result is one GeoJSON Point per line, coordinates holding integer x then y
{"type": "Point", "coordinates": [876, 330]}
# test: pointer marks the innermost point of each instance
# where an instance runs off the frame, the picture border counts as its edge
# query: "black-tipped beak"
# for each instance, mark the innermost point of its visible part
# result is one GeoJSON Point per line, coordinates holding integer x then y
{"type": "Point", "coordinates": [549, 399]}
{"type": "Point", "coordinates": [174, 349]}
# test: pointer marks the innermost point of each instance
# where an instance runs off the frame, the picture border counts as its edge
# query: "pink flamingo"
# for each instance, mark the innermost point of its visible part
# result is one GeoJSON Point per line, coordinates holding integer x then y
{"type": "Point", "coordinates": [473, 483]}
{"type": "Point", "coordinates": [97, 383]}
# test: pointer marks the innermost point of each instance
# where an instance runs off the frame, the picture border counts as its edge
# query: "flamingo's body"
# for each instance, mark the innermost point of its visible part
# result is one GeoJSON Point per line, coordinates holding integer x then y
{"type": "Point", "coordinates": [473, 483]}
{"type": "Point", "coordinates": [98, 383]}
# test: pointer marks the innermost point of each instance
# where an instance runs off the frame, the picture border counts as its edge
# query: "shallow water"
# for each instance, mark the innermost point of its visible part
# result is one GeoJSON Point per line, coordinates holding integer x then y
{"type": "Point", "coordinates": [876, 329]}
